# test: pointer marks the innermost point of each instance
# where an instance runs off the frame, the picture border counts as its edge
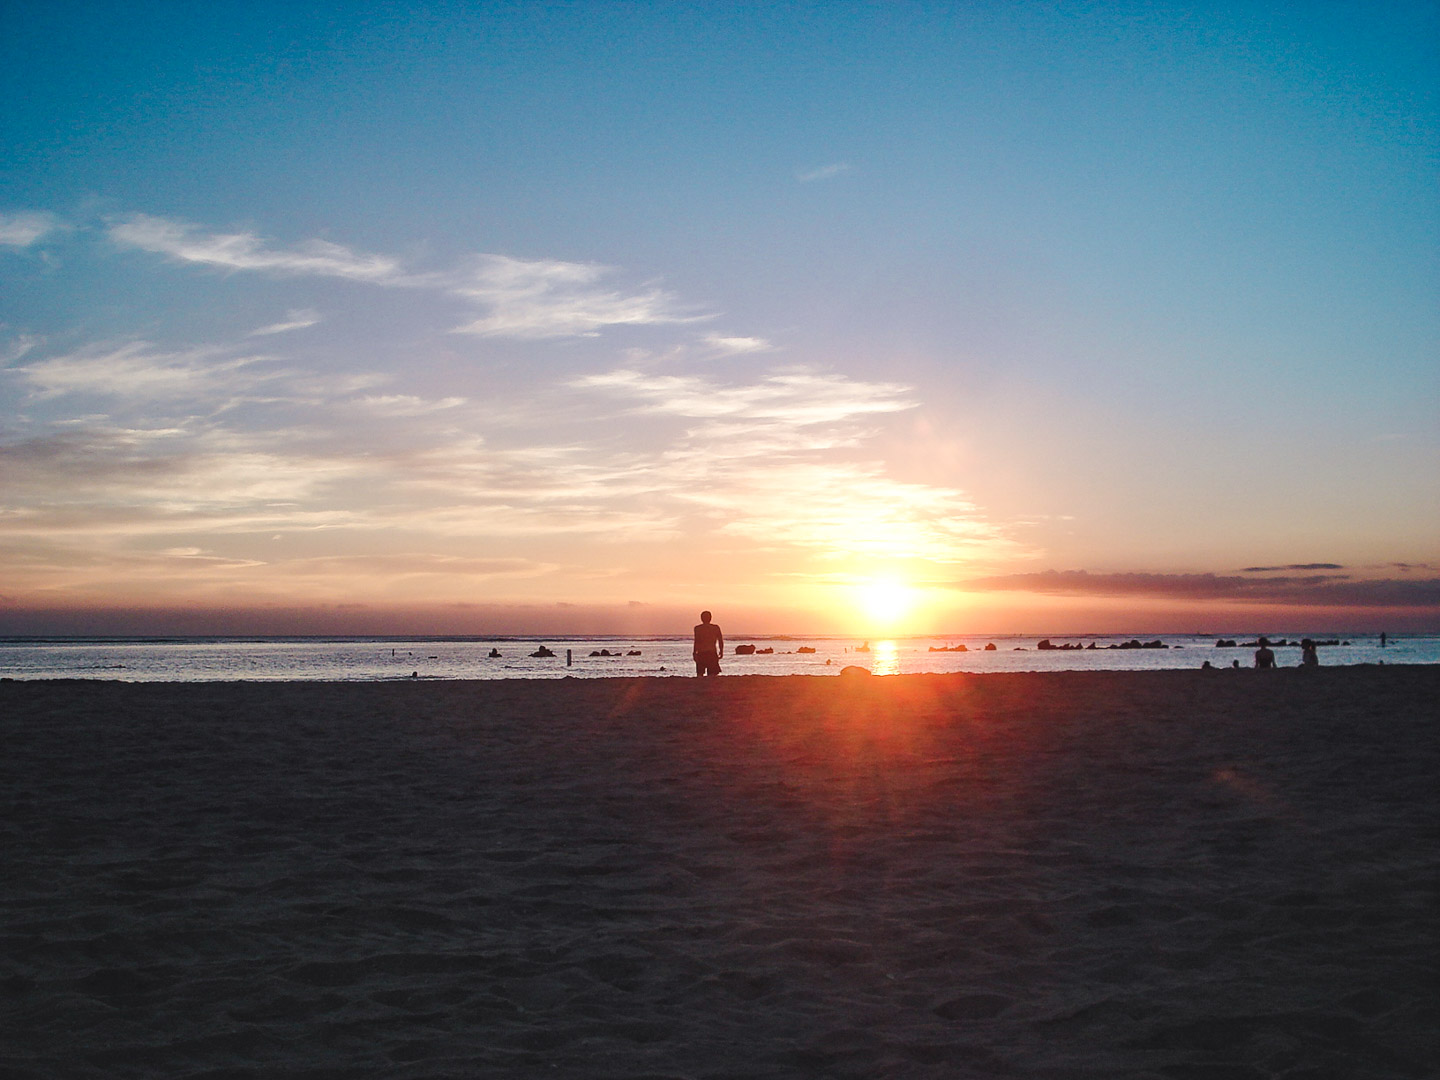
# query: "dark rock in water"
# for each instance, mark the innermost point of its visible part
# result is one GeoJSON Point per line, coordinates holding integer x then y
{"type": "Point", "coordinates": [1225, 643]}
{"type": "Point", "coordinates": [744, 650]}
{"type": "Point", "coordinates": [949, 648]}
{"type": "Point", "coordinates": [765, 652]}
{"type": "Point", "coordinates": [854, 669]}
{"type": "Point", "coordinates": [804, 648]}
{"type": "Point", "coordinates": [990, 647]}
{"type": "Point", "coordinates": [633, 652]}
{"type": "Point", "coordinates": [542, 652]}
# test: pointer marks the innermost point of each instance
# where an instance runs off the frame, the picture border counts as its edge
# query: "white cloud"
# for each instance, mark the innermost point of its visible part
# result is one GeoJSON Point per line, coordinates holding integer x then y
{"type": "Point", "coordinates": [773, 463]}
{"type": "Point", "coordinates": [737, 345]}
{"type": "Point", "coordinates": [245, 251]}
{"type": "Point", "coordinates": [795, 397]}
{"type": "Point", "coordinates": [847, 509]}
{"type": "Point", "coordinates": [408, 405]}
{"type": "Point", "coordinates": [139, 371]}
{"type": "Point", "coordinates": [520, 298]}
{"type": "Point", "coordinates": [22, 230]}
{"type": "Point", "coordinates": [295, 319]}
{"type": "Point", "coordinates": [18, 348]}
{"type": "Point", "coordinates": [544, 298]}
{"type": "Point", "coordinates": [824, 172]}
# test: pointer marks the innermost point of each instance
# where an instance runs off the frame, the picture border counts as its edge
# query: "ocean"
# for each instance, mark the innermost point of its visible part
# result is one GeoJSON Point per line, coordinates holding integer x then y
{"type": "Point", "coordinates": [218, 659]}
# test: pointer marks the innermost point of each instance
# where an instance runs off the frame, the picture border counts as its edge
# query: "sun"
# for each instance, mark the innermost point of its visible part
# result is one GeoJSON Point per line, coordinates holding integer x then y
{"type": "Point", "coordinates": [885, 602]}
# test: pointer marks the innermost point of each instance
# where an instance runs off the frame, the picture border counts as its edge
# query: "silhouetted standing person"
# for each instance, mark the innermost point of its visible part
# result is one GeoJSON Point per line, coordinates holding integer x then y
{"type": "Point", "coordinates": [709, 646]}
{"type": "Point", "coordinates": [1308, 656]}
{"type": "Point", "coordinates": [1382, 639]}
{"type": "Point", "coordinates": [1264, 657]}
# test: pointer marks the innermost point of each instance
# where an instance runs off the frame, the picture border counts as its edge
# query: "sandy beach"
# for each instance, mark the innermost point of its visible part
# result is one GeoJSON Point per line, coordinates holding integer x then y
{"type": "Point", "coordinates": [1182, 874]}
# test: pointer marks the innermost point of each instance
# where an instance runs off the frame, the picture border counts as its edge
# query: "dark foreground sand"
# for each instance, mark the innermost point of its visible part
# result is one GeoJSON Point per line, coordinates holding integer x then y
{"type": "Point", "coordinates": [1166, 874]}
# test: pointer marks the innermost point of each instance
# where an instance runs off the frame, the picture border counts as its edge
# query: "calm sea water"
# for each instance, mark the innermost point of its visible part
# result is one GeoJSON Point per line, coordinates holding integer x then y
{"type": "Point", "coordinates": [362, 659]}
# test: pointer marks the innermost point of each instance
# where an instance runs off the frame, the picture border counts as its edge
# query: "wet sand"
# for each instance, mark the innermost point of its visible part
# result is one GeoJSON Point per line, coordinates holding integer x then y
{"type": "Point", "coordinates": [1177, 874]}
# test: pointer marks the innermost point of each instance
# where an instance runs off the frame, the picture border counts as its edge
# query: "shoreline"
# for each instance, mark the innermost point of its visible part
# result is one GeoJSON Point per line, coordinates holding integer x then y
{"type": "Point", "coordinates": [1070, 873]}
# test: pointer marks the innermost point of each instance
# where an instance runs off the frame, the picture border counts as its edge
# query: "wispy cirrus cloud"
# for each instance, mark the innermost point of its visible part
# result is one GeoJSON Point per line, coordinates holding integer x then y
{"type": "Point", "coordinates": [295, 319]}
{"type": "Point", "coordinates": [795, 397]}
{"type": "Point", "coordinates": [762, 467]}
{"type": "Point", "coordinates": [542, 298]}
{"type": "Point", "coordinates": [23, 229]}
{"type": "Point", "coordinates": [246, 251]}
{"type": "Point", "coordinates": [517, 298]}
{"type": "Point", "coordinates": [98, 481]}
{"type": "Point", "coordinates": [18, 348]}
{"type": "Point", "coordinates": [408, 404]}
{"type": "Point", "coordinates": [823, 172]}
{"type": "Point", "coordinates": [848, 509]}
{"type": "Point", "coordinates": [734, 346]}
{"type": "Point", "coordinates": [140, 371]}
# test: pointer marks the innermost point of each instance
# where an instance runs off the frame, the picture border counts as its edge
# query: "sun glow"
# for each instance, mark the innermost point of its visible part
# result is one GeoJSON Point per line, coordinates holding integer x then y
{"type": "Point", "coordinates": [885, 602]}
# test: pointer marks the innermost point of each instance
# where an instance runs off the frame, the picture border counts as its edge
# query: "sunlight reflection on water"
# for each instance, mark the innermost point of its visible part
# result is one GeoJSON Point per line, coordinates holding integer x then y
{"type": "Point", "coordinates": [886, 657]}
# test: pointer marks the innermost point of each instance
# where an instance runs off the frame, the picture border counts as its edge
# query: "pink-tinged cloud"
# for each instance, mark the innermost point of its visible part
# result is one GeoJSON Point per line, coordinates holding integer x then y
{"type": "Point", "coordinates": [1317, 590]}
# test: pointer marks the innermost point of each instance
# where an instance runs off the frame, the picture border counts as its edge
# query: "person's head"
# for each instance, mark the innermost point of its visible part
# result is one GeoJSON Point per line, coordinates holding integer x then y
{"type": "Point", "coordinates": [1264, 643]}
{"type": "Point", "coordinates": [704, 616]}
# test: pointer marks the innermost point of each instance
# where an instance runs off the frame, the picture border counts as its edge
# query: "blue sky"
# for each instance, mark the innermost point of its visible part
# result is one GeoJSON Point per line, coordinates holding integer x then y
{"type": "Point", "coordinates": [476, 317]}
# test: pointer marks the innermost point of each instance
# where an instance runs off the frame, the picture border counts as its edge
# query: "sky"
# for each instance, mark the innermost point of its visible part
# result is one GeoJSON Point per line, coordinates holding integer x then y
{"type": "Point", "coordinates": [831, 318]}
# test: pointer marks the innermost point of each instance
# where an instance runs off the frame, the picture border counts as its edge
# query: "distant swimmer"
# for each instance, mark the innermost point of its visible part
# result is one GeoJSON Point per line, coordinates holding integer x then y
{"type": "Point", "coordinates": [1382, 639]}
{"type": "Point", "coordinates": [709, 646]}
{"type": "Point", "coordinates": [1264, 657]}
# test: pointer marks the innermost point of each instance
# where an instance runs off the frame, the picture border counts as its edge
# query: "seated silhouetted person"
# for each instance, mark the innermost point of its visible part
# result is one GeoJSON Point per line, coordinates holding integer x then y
{"type": "Point", "coordinates": [1264, 657]}
{"type": "Point", "coordinates": [709, 646]}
